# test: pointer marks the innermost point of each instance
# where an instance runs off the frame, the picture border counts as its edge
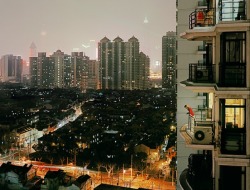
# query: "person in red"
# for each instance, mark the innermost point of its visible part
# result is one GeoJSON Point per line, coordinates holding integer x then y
{"type": "Point", "coordinates": [190, 110]}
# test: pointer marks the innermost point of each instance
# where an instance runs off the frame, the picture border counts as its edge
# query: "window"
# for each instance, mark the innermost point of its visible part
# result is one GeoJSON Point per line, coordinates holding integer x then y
{"type": "Point", "coordinates": [234, 113]}
{"type": "Point", "coordinates": [233, 48]}
{"type": "Point", "coordinates": [233, 132]}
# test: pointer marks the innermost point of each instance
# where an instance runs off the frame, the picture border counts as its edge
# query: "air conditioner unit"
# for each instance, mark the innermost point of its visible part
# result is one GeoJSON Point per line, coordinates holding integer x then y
{"type": "Point", "coordinates": [202, 135]}
{"type": "Point", "coordinates": [202, 74]}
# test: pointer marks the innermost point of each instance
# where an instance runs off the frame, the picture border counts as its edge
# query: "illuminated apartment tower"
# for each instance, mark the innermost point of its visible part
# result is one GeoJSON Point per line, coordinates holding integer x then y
{"type": "Point", "coordinates": [169, 61]}
{"type": "Point", "coordinates": [67, 71]}
{"type": "Point", "coordinates": [42, 71]}
{"type": "Point", "coordinates": [221, 137]}
{"type": "Point", "coordinates": [118, 48]}
{"type": "Point", "coordinates": [105, 60]}
{"type": "Point", "coordinates": [111, 58]}
{"type": "Point", "coordinates": [11, 68]}
{"type": "Point", "coordinates": [78, 66]}
{"type": "Point", "coordinates": [59, 68]}
{"type": "Point", "coordinates": [93, 74]}
{"type": "Point", "coordinates": [120, 64]}
{"type": "Point", "coordinates": [131, 79]}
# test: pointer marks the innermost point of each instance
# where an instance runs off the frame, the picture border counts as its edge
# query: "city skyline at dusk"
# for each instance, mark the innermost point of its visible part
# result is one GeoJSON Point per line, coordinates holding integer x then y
{"type": "Point", "coordinates": [80, 25]}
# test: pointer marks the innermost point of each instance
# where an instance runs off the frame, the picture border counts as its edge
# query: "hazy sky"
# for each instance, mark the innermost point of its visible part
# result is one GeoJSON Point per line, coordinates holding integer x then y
{"type": "Point", "coordinates": [78, 25]}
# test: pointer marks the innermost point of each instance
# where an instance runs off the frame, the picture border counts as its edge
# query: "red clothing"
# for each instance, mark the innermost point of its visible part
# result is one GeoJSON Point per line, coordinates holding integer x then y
{"type": "Point", "coordinates": [190, 111]}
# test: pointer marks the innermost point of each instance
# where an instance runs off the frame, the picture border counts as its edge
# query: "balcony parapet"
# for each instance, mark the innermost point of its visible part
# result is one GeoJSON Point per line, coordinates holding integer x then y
{"type": "Point", "coordinates": [199, 135]}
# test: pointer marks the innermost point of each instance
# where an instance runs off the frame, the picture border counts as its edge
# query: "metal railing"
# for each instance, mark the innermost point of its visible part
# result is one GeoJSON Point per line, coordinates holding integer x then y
{"type": "Point", "coordinates": [232, 75]}
{"type": "Point", "coordinates": [202, 17]}
{"type": "Point", "coordinates": [233, 141]}
{"type": "Point", "coordinates": [201, 73]}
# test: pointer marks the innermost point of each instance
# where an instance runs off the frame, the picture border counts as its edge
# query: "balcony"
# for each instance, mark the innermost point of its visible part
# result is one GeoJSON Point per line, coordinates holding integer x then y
{"type": "Point", "coordinates": [233, 141]}
{"type": "Point", "coordinates": [232, 75]}
{"type": "Point", "coordinates": [201, 73]}
{"type": "Point", "coordinates": [232, 10]}
{"type": "Point", "coordinates": [202, 17]}
{"type": "Point", "coordinates": [199, 134]}
{"type": "Point", "coordinates": [198, 174]}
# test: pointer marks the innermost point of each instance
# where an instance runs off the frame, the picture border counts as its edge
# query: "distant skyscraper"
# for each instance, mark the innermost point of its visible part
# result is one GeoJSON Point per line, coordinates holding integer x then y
{"type": "Point", "coordinates": [79, 70]}
{"type": "Point", "coordinates": [33, 52]}
{"type": "Point", "coordinates": [42, 71]}
{"type": "Point", "coordinates": [118, 52]}
{"type": "Point", "coordinates": [111, 58]}
{"type": "Point", "coordinates": [105, 60]}
{"type": "Point", "coordinates": [11, 68]}
{"type": "Point", "coordinates": [63, 71]}
{"type": "Point", "coordinates": [132, 64]}
{"type": "Point", "coordinates": [169, 60]}
{"type": "Point", "coordinates": [93, 74]}
{"type": "Point", "coordinates": [120, 64]}
{"type": "Point", "coordinates": [67, 71]}
{"type": "Point", "coordinates": [144, 69]}
{"type": "Point", "coordinates": [59, 68]}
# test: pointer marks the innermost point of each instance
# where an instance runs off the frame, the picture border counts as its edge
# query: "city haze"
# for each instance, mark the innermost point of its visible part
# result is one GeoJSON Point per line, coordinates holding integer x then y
{"type": "Point", "coordinates": [80, 24]}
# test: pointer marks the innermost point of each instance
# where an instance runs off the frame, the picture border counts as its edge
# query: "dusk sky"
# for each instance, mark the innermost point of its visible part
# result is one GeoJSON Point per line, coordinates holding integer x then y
{"type": "Point", "coordinates": [78, 25]}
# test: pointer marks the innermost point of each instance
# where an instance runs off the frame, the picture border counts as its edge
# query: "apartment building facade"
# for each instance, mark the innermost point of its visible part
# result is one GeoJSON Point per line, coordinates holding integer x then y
{"type": "Point", "coordinates": [220, 139]}
{"type": "Point", "coordinates": [63, 71]}
{"type": "Point", "coordinates": [11, 68]}
{"type": "Point", "coordinates": [169, 60]}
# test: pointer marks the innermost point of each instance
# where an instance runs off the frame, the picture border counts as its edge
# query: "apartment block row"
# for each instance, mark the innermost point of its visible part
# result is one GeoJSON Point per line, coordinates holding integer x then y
{"type": "Point", "coordinates": [120, 65]}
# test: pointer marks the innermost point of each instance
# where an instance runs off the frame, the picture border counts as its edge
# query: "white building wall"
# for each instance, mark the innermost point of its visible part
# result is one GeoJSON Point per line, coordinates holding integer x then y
{"type": "Point", "coordinates": [186, 54]}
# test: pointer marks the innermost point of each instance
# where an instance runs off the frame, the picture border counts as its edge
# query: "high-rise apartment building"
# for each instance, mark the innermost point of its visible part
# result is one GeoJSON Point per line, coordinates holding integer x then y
{"type": "Point", "coordinates": [131, 80]}
{"type": "Point", "coordinates": [79, 70]}
{"type": "Point", "coordinates": [67, 71]}
{"type": "Point", "coordinates": [111, 58]}
{"type": "Point", "coordinates": [169, 66]}
{"type": "Point", "coordinates": [105, 60]}
{"type": "Point", "coordinates": [11, 68]}
{"type": "Point", "coordinates": [121, 66]}
{"type": "Point", "coordinates": [42, 69]}
{"type": "Point", "coordinates": [218, 138]}
{"type": "Point", "coordinates": [58, 58]}
{"type": "Point", "coordinates": [93, 74]}
{"type": "Point", "coordinates": [169, 61]}
{"type": "Point", "coordinates": [118, 62]}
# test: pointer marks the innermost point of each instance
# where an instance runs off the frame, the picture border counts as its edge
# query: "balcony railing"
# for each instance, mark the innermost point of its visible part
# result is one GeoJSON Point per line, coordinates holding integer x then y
{"type": "Point", "coordinates": [201, 73]}
{"type": "Point", "coordinates": [232, 75]}
{"type": "Point", "coordinates": [233, 141]}
{"type": "Point", "coordinates": [202, 17]}
{"type": "Point", "coordinates": [232, 10]}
